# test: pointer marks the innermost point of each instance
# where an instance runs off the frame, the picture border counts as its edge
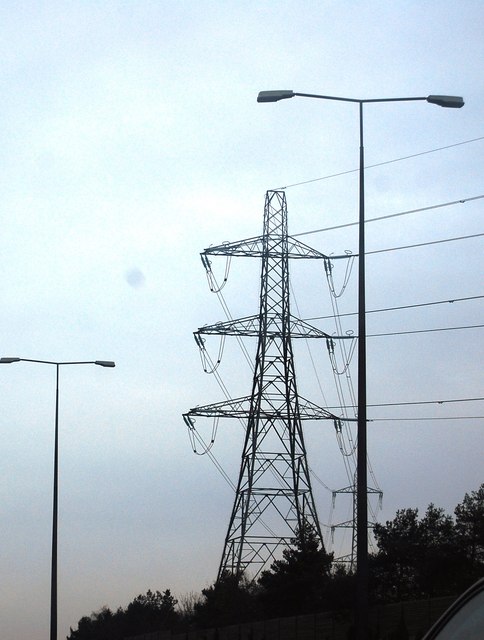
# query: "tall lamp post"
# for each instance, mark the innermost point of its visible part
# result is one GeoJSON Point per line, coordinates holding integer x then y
{"type": "Point", "coordinates": [361, 472]}
{"type": "Point", "coordinates": [53, 583]}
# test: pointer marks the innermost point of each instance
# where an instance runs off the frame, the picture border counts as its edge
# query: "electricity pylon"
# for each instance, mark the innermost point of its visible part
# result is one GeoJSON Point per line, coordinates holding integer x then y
{"type": "Point", "coordinates": [273, 498]}
{"type": "Point", "coordinates": [350, 558]}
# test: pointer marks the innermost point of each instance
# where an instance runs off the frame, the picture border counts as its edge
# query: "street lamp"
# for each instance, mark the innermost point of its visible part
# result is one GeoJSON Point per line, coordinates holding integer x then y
{"type": "Point", "coordinates": [53, 583]}
{"type": "Point", "coordinates": [455, 102]}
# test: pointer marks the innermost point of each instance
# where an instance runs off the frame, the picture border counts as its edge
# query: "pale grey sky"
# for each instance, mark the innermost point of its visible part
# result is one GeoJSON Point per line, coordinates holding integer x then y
{"type": "Point", "coordinates": [132, 140]}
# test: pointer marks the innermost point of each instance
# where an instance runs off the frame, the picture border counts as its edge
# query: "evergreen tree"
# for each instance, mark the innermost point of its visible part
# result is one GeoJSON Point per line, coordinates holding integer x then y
{"type": "Point", "coordinates": [151, 612]}
{"type": "Point", "coordinates": [469, 527]}
{"type": "Point", "coordinates": [297, 583]}
{"type": "Point", "coordinates": [393, 567]}
{"type": "Point", "coordinates": [230, 600]}
{"type": "Point", "coordinates": [432, 556]}
{"type": "Point", "coordinates": [469, 524]}
{"type": "Point", "coordinates": [439, 555]}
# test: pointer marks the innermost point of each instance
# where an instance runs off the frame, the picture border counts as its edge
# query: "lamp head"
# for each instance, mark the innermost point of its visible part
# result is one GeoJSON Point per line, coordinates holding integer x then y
{"type": "Point", "coordinates": [454, 102]}
{"type": "Point", "coordinates": [9, 360]}
{"type": "Point", "coordinates": [275, 96]}
{"type": "Point", "coordinates": [105, 363]}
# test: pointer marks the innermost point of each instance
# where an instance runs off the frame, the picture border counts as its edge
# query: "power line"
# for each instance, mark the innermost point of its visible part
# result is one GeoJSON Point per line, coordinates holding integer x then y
{"type": "Point", "coordinates": [347, 256]}
{"type": "Point", "coordinates": [423, 244]}
{"type": "Point", "coordinates": [392, 215]}
{"type": "Point", "coordinates": [408, 306]}
{"type": "Point", "coordinates": [401, 333]}
{"type": "Point", "coordinates": [401, 404]}
{"type": "Point", "coordinates": [419, 419]}
{"type": "Point", "coordinates": [350, 336]}
{"type": "Point", "coordinates": [379, 164]}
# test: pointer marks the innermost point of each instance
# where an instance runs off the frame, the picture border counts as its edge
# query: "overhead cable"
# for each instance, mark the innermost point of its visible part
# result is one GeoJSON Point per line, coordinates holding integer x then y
{"type": "Point", "coordinates": [424, 244]}
{"type": "Point", "coordinates": [391, 215]}
{"type": "Point", "coordinates": [419, 419]}
{"type": "Point", "coordinates": [379, 164]}
{"type": "Point", "coordinates": [401, 404]}
{"type": "Point", "coordinates": [401, 333]}
{"type": "Point", "coordinates": [407, 306]}
{"type": "Point", "coordinates": [347, 254]}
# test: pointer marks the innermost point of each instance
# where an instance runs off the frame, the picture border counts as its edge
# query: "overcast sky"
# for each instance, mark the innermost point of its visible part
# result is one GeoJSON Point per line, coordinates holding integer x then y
{"type": "Point", "coordinates": [131, 140]}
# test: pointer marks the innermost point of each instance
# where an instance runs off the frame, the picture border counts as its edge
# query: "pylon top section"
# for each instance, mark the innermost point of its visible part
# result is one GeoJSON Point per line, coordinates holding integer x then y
{"type": "Point", "coordinates": [275, 227]}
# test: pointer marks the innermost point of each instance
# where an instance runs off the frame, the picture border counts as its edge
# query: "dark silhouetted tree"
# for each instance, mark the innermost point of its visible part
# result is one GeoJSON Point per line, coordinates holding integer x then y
{"type": "Point", "coordinates": [151, 612]}
{"type": "Point", "coordinates": [438, 554]}
{"type": "Point", "coordinates": [297, 583]}
{"type": "Point", "coordinates": [431, 556]}
{"type": "Point", "coordinates": [469, 528]}
{"type": "Point", "coordinates": [340, 593]}
{"type": "Point", "coordinates": [100, 625]}
{"type": "Point", "coordinates": [393, 567]}
{"type": "Point", "coordinates": [228, 601]}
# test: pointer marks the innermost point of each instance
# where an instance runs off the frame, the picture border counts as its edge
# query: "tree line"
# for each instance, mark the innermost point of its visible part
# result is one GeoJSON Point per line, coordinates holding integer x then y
{"type": "Point", "coordinates": [417, 557]}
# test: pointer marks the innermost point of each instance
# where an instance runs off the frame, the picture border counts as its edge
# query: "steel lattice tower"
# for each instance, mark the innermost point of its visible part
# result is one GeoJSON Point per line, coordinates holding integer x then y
{"type": "Point", "coordinates": [350, 558]}
{"type": "Point", "coordinates": [273, 496]}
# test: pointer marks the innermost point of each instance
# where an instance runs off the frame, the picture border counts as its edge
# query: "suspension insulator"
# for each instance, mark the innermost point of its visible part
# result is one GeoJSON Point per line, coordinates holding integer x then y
{"type": "Point", "coordinates": [206, 262]}
{"type": "Point", "coordinates": [189, 421]}
{"type": "Point", "coordinates": [338, 425]}
{"type": "Point", "coordinates": [199, 340]}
